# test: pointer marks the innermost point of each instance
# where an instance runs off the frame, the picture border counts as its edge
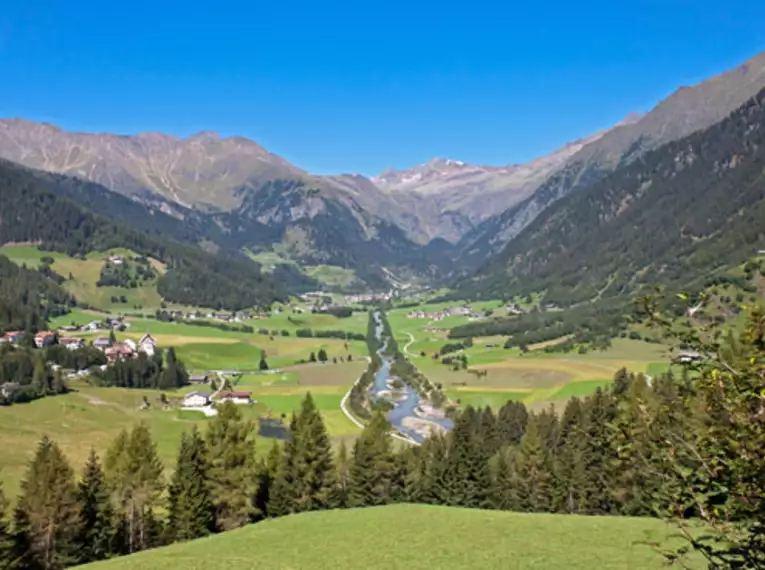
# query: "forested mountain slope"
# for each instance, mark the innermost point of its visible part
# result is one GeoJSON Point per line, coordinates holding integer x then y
{"type": "Point", "coordinates": [687, 110]}
{"type": "Point", "coordinates": [33, 211]}
{"type": "Point", "coordinates": [673, 216]}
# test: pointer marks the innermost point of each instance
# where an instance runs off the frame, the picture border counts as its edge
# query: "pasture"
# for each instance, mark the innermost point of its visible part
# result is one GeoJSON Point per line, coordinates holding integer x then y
{"type": "Point", "coordinates": [91, 417]}
{"type": "Point", "coordinates": [85, 274]}
{"type": "Point", "coordinates": [496, 375]}
{"type": "Point", "coordinates": [417, 537]}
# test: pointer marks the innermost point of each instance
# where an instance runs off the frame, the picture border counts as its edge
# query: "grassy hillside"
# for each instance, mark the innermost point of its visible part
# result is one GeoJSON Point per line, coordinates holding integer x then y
{"type": "Point", "coordinates": [85, 274]}
{"type": "Point", "coordinates": [416, 537]}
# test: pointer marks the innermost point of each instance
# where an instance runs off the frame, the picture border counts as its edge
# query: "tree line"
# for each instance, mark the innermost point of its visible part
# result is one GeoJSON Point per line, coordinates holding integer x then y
{"type": "Point", "coordinates": [683, 447]}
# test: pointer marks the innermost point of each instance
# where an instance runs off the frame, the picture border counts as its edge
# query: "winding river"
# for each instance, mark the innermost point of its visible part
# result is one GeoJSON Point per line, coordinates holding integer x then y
{"type": "Point", "coordinates": [404, 407]}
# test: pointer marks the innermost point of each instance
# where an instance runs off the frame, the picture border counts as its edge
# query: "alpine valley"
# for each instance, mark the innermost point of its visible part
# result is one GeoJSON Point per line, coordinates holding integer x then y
{"type": "Point", "coordinates": [440, 223]}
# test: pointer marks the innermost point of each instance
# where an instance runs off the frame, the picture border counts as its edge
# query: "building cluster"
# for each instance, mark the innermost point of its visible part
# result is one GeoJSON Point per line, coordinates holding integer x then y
{"type": "Point", "coordinates": [369, 297]}
{"type": "Point", "coordinates": [462, 311]}
{"type": "Point", "coordinates": [113, 350]}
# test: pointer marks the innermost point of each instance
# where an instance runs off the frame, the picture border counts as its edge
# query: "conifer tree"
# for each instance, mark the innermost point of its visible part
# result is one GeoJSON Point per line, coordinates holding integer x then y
{"type": "Point", "coordinates": [47, 517]}
{"type": "Point", "coordinates": [568, 474]}
{"type": "Point", "coordinates": [134, 472]}
{"type": "Point", "coordinates": [532, 471]}
{"type": "Point", "coordinates": [315, 475]}
{"type": "Point", "coordinates": [268, 470]}
{"type": "Point", "coordinates": [96, 539]}
{"type": "Point", "coordinates": [232, 467]}
{"type": "Point", "coordinates": [6, 538]}
{"type": "Point", "coordinates": [343, 474]}
{"type": "Point", "coordinates": [371, 472]}
{"type": "Point", "coordinates": [511, 423]}
{"type": "Point", "coordinates": [504, 494]}
{"type": "Point", "coordinates": [281, 497]}
{"type": "Point", "coordinates": [467, 479]}
{"type": "Point", "coordinates": [190, 508]}
{"type": "Point", "coordinates": [599, 412]}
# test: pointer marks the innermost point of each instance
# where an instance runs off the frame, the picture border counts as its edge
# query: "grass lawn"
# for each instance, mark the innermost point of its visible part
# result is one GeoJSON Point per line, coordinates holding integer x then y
{"type": "Point", "coordinates": [416, 537]}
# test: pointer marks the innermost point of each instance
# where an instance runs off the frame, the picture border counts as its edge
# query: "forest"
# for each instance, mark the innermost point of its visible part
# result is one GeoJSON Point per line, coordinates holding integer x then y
{"type": "Point", "coordinates": [28, 298]}
{"type": "Point", "coordinates": [656, 220]}
{"type": "Point", "coordinates": [34, 213]}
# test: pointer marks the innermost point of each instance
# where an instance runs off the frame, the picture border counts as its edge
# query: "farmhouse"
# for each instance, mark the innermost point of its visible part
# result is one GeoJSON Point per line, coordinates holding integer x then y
{"type": "Point", "coordinates": [102, 342]}
{"type": "Point", "coordinates": [236, 397]}
{"type": "Point", "coordinates": [147, 345]}
{"type": "Point", "coordinates": [116, 259]}
{"type": "Point", "coordinates": [119, 351]}
{"type": "Point", "coordinates": [44, 338]}
{"type": "Point", "coordinates": [12, 337]}
{"type": "Point", "coordinates": [199, 379]}
{"type": "Point", "coordinates": [688, 356]}
{"type": "Point", "coordinates": [196, 399]}
{"type": "Point", "coordinates": [93, 326]}
{"type": "Point", "coordinates": [72, 343]}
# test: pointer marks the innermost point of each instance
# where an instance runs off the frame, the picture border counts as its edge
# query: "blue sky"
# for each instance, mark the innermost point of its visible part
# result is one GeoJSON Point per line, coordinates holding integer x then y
{"type": "Point", "coordinates": [362, 86]}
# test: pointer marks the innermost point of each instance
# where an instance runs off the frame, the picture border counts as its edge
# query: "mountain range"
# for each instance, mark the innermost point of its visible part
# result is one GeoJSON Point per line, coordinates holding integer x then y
{"type": "Point", "coordinates": [435, 222]}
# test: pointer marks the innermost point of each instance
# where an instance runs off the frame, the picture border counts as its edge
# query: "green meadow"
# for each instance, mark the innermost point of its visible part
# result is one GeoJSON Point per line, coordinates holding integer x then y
{"type": "Point", "coordinates": [418, 537]}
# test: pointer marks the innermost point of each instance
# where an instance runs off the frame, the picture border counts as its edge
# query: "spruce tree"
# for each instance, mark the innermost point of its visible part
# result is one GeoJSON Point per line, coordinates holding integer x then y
{"type": "Point", "coordinates": [599, 413]}
{"type": "Point", "coordinates": [47, 517]}
{"type": "Point", "coordinates": [504, 495]}
{"type": "Point", "coordinates": [567, 472]}
{"type": "Point", "coordinates": [268, 470]}
{"type": "Point", "coordinates": [96, 539]}
{"type": "Point", "coordinates": [134, 472]}
{"type": "Point", "coordinates": [6, 538]}
{"type": "Point", "coordinates": [343, 474]}
{"type": "Point", "coordinates": [190, 508]}
{"type": "Point", "coordinates": [511, 422]}
{"type": "Point", "coordinates": [467, 479]}
{"type": "Point", "coordinates": [532, 471]}
{"type": "Point", "coordinates": [281, 496]}
{"type": "Point", "coordinates": [371, 472]}
{"type": "Point", "coordinates": [232, 470]}
{"type": "Point", "coordinates": [315, 476]}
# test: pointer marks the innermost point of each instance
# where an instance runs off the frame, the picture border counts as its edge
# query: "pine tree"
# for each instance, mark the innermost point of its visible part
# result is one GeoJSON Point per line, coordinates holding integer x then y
{"type": "Point", "coordinates": [568, 474]}
{"type": "Point", "coordinates": [190, 508]}
{"type": "Point", "coordinates": [134, 472]}
{"type": "Point", "coordinates": [343, 474]}
{"type": "Point", "coordinates": [467, 479]}
{"type": "Point", "coordinates": [371, 472]}
{"type": "Point", "coordinates": [263, 364]}
{"type": "Point", "coordinates": [173, 374]}
{"type": "Point", "coordinates": [232, 467]}
{"type": "Point", "coordinates": [314, 468]}
{"type": "Point", "coordinates": [96, 539]}
{"type": "Point", "coordinates": [47, 518]}
{"type": "Point", "coordinates": [268, 470]}
{"type": "Point", "coordinates": [39, 377]}
{"type": "Point", "coordinates": [597, 452]}
{"type": "Point", "coordinates": [6, 538]}
{"type": "Point", "coordinates": [281, 497]}
{"type": "Point", "coordinates": [504, 495]}
{"type": "Point", "coordinates": [532, 471]}
{"type": "Point", "coordinates": [322, 356]}
{"type": "Point", "coordinates": [511, 422]}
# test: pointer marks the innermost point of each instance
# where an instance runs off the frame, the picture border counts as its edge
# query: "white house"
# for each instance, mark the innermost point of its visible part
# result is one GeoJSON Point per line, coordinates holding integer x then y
{"type": "Point", "coordinates": [130, 343]}
{"type": "Point", "coordinates": [147, 344]}
{"type": "Point", "coordinates": [196, 399]}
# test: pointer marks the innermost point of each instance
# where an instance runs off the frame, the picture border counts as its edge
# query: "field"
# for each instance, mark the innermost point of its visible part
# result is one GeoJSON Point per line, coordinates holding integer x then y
{"type": "Point", "coordinates": [91, 417]}
{"type": "Point", "coordinates": [537, 378]}
{"type": "Point", "coordinates": [414, 537]}
{"type": "Point", "coordinates": [330, 275]}
{"type": "Point", "coordinates": [85, 274]}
